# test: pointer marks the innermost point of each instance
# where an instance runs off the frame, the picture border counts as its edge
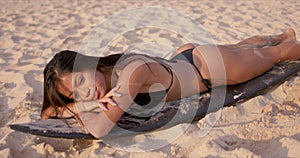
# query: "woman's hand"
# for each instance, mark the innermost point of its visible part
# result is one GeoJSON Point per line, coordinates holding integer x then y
{"type": "Point", "coordinates": [49, 112]}
{"type": "Point", "coordinates": [55, 112]}
{"type": "Point", "coordinates": [58, 112]}
{"type": "Point", "coordinates": [108, 98]}
{"type": "Point", "coordinates": [82, 106]}
{"type": "Point", "coordinates": [95, 105]}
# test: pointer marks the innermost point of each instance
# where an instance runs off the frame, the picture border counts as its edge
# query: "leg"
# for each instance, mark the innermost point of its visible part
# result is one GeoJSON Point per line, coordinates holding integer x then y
{"type": "Point", "coordinates": [243, 64]}
{"type": "Point", "coordinates": [272, 40]}
{"type": "Point", "coordinates": [255, 41]}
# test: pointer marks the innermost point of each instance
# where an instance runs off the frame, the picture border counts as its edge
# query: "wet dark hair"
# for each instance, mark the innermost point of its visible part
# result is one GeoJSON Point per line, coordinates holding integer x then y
{"type": "Point", "coordinates": [67, 62]}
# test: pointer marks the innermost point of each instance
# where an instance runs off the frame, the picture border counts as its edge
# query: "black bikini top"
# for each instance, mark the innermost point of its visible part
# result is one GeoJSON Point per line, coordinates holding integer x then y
{"type": "Point", "coordinates": [153, 98]}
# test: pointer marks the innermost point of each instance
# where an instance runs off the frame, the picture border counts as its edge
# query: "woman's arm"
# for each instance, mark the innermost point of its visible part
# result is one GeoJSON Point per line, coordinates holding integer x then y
{"type": "Point", "coordinates": [72, 109]}
{"type": "Point", "coordinates": [131, 79]}
{"type": "Point", "coordinates": [51, 111]}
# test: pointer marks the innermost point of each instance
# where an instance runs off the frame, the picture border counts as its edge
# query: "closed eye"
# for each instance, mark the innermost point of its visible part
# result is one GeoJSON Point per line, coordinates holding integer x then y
{"type": "Point", "coordinates": [80, 80]}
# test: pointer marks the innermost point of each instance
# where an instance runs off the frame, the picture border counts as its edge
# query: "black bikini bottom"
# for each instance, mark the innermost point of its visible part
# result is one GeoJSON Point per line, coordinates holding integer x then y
{"type": "Point", "coordinates": [187, 55]}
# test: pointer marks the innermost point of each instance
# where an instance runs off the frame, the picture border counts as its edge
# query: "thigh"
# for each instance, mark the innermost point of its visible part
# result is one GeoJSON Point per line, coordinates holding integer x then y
{"type": "Point", "coordinates": [210, 62]}
{"type": "Point", "coordinates": [231, 65]}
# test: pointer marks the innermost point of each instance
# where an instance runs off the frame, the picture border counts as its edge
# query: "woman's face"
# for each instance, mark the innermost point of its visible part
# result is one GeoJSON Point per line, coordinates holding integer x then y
{"type": "Point", "coordinates": [82, 86]}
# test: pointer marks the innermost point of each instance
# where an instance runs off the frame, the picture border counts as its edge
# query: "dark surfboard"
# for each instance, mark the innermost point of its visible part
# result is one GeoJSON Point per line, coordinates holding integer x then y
{"type": "Point", "coordinates": [69, 128]}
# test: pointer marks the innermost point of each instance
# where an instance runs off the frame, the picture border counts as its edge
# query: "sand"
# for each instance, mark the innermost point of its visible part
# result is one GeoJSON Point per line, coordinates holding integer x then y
{"type": "Point", "coordinates": [32, 31]}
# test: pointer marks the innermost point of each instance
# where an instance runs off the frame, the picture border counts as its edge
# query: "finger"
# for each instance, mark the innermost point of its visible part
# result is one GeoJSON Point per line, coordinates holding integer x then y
{"type": "Point", "coordinates": [50, 112]}
{"type": "Point", "coordinates": [109, 100]}
{"type": "Point", "coordinates": [117, 87]}
{"type": "Point", "coordinates": [113, 93]}
{"type": "Point", "coordinates": [102, 106]}
{"type": "Point", "coordinates": [47, 114]}
{"type": "Point", "coordinates": [44, 116]}
{"type": "Point", "coordinates": [116, 94]}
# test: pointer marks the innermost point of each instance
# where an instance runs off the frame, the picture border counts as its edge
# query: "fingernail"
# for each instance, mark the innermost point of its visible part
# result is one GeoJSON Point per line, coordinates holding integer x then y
{"type": "Point", "coordinates": [119, 95]}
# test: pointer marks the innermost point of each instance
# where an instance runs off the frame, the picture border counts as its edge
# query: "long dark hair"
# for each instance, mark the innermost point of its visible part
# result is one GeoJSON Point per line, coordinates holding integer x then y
{"type": "Point", "coordinates": [66, 62]}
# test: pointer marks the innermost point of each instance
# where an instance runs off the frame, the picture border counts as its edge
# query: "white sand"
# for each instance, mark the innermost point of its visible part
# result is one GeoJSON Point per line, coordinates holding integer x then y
{"type": "Point", "coordinates": [32, 31]}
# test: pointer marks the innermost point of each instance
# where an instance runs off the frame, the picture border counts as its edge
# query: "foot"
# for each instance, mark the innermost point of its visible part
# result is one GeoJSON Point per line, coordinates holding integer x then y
{"type": "Point", "coordinates": [289, 50]}
{"type": "Point", "coordinates": [289, 35]}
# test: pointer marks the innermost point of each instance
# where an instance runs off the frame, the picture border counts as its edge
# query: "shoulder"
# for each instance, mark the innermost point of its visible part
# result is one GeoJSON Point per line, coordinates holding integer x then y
{"type": "Point", "coordinates": [135, 70]}
{"type": "Point", "coordinates": [139, 67]}
{"type": "Point", "coordinates": [138, 62]}
{"type": "Point", "coordinates": [132, 57]}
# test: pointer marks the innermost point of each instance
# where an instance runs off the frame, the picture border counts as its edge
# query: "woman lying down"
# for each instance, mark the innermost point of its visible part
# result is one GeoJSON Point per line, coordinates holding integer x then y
{"type": "Point", "coordinates": [73, 85]}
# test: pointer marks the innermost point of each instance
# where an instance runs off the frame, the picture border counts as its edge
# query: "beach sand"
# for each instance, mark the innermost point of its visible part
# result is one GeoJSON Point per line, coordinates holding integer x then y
{"type": "Point", "coordinates": [31, 32]}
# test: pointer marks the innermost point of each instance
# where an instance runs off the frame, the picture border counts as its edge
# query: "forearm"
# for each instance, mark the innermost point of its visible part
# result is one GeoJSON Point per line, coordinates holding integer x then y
{"type": "Point", "coordinates": [129, 84]}
{"type": "Point", "coordinates": [77, 107]}
{"type": "Point", "coordinates": [99, 124]}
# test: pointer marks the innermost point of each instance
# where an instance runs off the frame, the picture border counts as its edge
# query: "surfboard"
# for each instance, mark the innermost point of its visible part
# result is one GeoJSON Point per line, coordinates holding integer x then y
{"type": "Point", "coordinates": [200, 105]}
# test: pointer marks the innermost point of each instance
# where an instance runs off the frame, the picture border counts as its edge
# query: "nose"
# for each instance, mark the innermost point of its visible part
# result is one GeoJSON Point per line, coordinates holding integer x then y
{"type": "Point", "coordinates": [83, 93]}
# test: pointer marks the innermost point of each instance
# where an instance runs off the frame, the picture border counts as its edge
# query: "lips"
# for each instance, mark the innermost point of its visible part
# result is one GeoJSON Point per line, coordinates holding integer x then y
{"type": "Point", "coordinates": [96, 94]}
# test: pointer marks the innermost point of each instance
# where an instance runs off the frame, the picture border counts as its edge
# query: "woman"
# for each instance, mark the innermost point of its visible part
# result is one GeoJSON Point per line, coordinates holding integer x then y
{"type": "Point", "coordinates": [120, 80]}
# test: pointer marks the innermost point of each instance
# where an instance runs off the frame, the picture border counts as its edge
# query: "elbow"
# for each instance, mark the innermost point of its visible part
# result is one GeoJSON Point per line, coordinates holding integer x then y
{"type": "Point", "coordinates": [96, 125]}
{"type": "Point", "coordinates": [99, 132]}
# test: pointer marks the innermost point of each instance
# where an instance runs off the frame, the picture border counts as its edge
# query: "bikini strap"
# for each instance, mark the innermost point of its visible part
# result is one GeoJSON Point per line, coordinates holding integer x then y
{"type": "Point", "coordinates": [187, 55]}
{"type": "Point", "coordinates": [206, 82]}
{"type": "Point", "coordinates": [171, 73]}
